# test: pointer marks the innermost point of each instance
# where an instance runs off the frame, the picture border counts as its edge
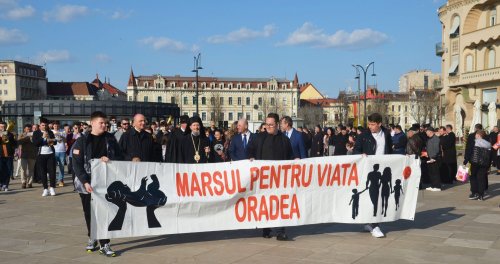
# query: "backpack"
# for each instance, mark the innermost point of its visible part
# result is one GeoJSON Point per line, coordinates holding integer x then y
{"type": "Point", "coordinates": [480, 156]}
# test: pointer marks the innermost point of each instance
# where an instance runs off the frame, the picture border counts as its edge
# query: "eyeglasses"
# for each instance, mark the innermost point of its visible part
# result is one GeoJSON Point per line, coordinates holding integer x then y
{"type": "Point", "coordinates": [271, 125]}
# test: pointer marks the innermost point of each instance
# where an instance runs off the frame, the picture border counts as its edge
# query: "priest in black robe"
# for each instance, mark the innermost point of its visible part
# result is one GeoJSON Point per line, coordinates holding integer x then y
{"type": "Point", "coordinates": [176, 136]}
{"type": "Point", "coordinates": [195, 147]}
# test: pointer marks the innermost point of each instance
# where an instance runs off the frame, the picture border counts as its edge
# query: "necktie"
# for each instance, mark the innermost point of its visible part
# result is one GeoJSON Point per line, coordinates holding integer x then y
{"type": "Point", "coordinates": [244, 141]}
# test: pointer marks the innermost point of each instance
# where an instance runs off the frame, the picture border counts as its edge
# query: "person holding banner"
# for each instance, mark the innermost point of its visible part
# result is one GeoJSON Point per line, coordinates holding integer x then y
{"type": "Point", "coordinates": [376, 140]}
{"type": "Point", "coordinates": [195, 148]}
{"type": "Point", "coordinates": [272, 145]}
{"type": "Point", "coordinates": [136, 143]}
{"type": "Point", "coordinates": [238, 147]}
{"type": "Point", "coordinates": [98, 144]}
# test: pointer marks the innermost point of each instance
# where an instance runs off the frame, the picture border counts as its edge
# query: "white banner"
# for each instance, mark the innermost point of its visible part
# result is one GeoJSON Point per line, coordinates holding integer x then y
{"type": "Point", "coordinates": [141, 198]}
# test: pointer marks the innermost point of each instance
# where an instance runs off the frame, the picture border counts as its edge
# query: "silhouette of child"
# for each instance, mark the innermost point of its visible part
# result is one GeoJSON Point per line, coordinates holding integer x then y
{"type": "Point", "coordinates": [355, 202]}
{"type": "Point", "coordinates": [398, 190]}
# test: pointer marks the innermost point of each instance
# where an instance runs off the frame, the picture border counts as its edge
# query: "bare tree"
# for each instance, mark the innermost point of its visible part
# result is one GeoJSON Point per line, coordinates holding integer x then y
{"type": "Point", "coordinates": [424, 106]}
{"type": "Point", "coordinates": [215, 106]}
{"type": "Point", "coordinates": [311, 114]}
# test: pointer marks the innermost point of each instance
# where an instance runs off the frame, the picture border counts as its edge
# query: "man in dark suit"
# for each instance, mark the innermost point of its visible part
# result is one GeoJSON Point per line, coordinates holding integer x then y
{"type": "Point", "coordinates": [340, 142]}
{"type": "Point", "coordinates": [376, 140]}
{"type": "Point", "coordinates": [298, 146]}
{"type": "Point", "coordinates": [272, 145]}
{"type": "Point", "coordinates": [238, 148]}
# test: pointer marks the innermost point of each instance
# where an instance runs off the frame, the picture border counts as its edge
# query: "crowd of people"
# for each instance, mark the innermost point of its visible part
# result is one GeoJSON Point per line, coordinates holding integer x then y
{"type": "Point", "coordinates": [45, 148]}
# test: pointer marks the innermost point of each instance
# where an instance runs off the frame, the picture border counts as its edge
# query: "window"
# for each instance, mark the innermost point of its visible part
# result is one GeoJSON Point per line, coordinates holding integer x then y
{"type": "Point", "coordinates": [283, 86]}
{"type": "Point", "coordinates": [392, 108]}
{"type": "Point", "coordinates": [453, 66]}
{"type": "Point", "coordinates": [247, 86]}
{"type": "Point", "coordinates": [185, 85]}
{"type": "Point", "coordinates": [285, 101]}
{"type": "Point", "coordinates": [491, 58]}
{"type": "Point", "coordinates": [212, 101]}
{"type": "Point", "coordinates": [4, 81]}
{"type": "Point", "coordinates": [406, 108]}
{"type": "Point", "coordinates": [240, 116]}
{"type": "Point", "coordinates": [130, 98]}
{"type": "Point", "coordinates": [493, 17]}
{"type": "Point", "coordinates": [204, 85]}
{"type": "Point", "coordinates": [172, 85]}
{"type": "Point", "coordinates": [248, 116]}
{"type": "Point", "coordinates": [260, 101]}
{"type": "Point", "coordinates": [259, 86]}
{"type": "Point", "coordinates": [194, 85]}
{"type": "Point", "coordinates": [146, 84]}
{"type": "Point", "coordinates": [195, 100]}
{"type": "Point", "coordinates": [239, 100]}
{"type": "Point", "coordinates": [172, 99]}
{"type": "Point", "coordinates": [145, 99]}
{"type": "Point", "coordinates": [212, 116]}
{"type": "Point", "coordinates": [238, 86]}
{"type": "Point", "coordinates": [426, 82]}
{"type": "Point", "coordinates": [159, 99]}
{"type": "Point", "coordinates": [221, 116]}
{"type": "Point", "coordinates": [203, 116]}
{"type": "Point", "coordinates": [260, 116]}
{"type": "Point", "coordinates": [399, 108]}
{"type": "Point", "coordinates": [230, 86]}
{"type": "Point", "coordinates": [212, 85]}
{"type": "Point", "coordinates": [230, 116]}
{"type": "Point", "coordinates": [185, 100]}
{"type": "Point", "coordinates": [469, 62]}
{"type": "Point", "coordinates": [272, 101]}
{"type": "Point", "coordinates": [221, 85]}
{"type": "Point", "coordinates": [0, 92]}
{"type": "Point", "coordinates": [203, 100]}
{"type": "Point", "coordinates": [455, 27]}
{"type": "Point", "coordinates": [230, 101]}
{"type": "Point", "coordinates": [221, 100]}
{"type": "Point", "coordinates": [489, 95]}
{"type": "Point", "coordinates": [248, 101]}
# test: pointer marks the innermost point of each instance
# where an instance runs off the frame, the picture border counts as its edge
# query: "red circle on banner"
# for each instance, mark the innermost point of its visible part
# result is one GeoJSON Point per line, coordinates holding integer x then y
{"type": "Point", "coordinates": [407, 172]}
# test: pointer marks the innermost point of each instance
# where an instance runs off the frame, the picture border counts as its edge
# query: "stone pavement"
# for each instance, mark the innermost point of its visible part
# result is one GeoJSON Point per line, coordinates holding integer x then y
{"type": "Point", "coordinates": [448, 228]}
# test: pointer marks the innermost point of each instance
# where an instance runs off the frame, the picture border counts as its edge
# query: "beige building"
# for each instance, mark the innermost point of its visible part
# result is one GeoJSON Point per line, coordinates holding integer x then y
{"type": "Point", "coordinates": [21, 81]}
{"type": "Point", "coordinates": [470, 51]}
{"type": "Point", "coordinates": [220, 99]}
{"type": "Point", "coordinates": [418, 79]}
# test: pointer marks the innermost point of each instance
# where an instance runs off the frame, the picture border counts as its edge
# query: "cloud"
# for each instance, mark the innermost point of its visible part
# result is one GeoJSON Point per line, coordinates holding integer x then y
{"type": "Point", "coordinates": [121, 15]}
{"type": "Point", "coordinates": [310, 35]}
{"type": "Point", "coordinates": [242, 34]}
{"type": "Point", "coordinates": [164, 43]}
{"type": "Point", "coordinates": [20, 12]}
{"type": "Point", "coordinates": [66, 13]}
{"type": "Point", "coordinates": [12, 36]}
{"type": "Point", "coordinates": [7, 4]}
{"type": "Point", "coordinates": [101, 57]}
{"type": "Point", "coordinates": [53, 56]}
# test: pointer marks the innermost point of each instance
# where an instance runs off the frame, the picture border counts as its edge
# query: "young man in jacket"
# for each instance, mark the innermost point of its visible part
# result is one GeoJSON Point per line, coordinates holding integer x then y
{"type": "Point", "coordinates": [97, 144]}
{"type": "Point", "coordinates": [376, 140]}
{"type": "Point", "coordinates": [45, 162]}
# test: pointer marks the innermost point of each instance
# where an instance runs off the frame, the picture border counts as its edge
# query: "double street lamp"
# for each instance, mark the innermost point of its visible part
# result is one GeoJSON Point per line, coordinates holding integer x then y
{"type": "Point", "coordinates": [360, 69]}
{"type": "Point", "coordinates": [197, 67]}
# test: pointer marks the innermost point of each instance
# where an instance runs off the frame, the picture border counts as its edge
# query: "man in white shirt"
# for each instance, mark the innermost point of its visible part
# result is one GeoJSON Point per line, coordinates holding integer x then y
{"type": "Point", "coordinates": [60, 149]}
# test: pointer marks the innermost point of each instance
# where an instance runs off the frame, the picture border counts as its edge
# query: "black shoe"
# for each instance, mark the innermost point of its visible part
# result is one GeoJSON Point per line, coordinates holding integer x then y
{"type": "Point", "coordinates": [473, 196]}
{"type": "Point", "coordinates": [282, 237]}
{"type": "Point", "coordinates": [480, 198]}
{"type": "Point", "coordinates": [266, 233]}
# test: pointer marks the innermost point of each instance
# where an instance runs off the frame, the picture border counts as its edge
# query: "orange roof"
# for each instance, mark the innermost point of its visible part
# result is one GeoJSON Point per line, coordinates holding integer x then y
{"type": "Point", "coordinates": [111, 89]}
{"type": "Point", "coordinates": [322, 102]}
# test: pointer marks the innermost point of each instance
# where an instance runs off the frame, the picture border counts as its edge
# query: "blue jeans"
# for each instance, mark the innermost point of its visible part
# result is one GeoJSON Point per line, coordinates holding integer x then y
{"type": "Point", "coordinates": [60, 158]}
{"type": "Point", "coordinates": [6, 169]}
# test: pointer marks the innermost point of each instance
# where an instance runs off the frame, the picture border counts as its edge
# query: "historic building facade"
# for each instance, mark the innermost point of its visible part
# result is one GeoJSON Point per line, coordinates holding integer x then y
{"type": "Point", "coordinates": [220, 99]}
{"type": "Point", "coordinates": [21, 81]}
{"type": "Point", "coordinates": [469, 51]}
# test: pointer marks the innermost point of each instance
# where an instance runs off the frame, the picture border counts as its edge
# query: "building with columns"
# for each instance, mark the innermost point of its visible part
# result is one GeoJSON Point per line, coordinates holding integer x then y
{"type": "Point", "coordinates": [220, 98]}
{"type": "Point", "coordinates": [470, 61]}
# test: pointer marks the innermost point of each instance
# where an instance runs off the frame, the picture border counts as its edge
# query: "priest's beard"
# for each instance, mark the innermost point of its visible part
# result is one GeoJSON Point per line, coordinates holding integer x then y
{"type": "Point", "coordinates": [195, 133]}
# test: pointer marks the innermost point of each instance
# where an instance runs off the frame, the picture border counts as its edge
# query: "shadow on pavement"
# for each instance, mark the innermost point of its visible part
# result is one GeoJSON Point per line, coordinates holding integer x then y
{"type": "Point", "coordinates": [423, 220]}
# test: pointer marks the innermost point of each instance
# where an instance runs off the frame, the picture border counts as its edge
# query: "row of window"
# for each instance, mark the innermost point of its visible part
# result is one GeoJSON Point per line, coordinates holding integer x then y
{"type": "Point", "coordinates": [231, 116]}
{"type": "Point", "coordinates": [204, 85]}
{"type": "Point", "coordinates": [4, 92]}
{"type": "Point", "coordinates": [221, 100]}
{"type": "Point", "coordinates": [4, 69]}
{"type": "Point", "coordinates": [4, 81]}
{"type": "Point", "coordinates": [470, 65]}
{"type": "Point", "coordinates": [29, 72]}
{"type": "Point", "coordinates": [455, 24]}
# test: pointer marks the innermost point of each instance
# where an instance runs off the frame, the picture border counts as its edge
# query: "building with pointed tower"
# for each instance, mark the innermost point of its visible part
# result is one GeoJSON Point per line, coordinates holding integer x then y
{"type": "Point", "coordinates": [220, 98]}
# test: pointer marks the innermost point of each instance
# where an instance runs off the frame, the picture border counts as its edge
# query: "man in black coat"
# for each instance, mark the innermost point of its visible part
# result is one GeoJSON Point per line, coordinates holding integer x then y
{"type": "Point", "coordinates": [317, 142]}
{"type": "Point", "coordinates": [174, 144]}
{"type": "Point", "coordinates": [376, 140]}
{"type": "Point", "coordinates": [340, 142]}
{"type": "Point", "coordinates": [97, 144]}
{"type": "Point", "coordinates": [449, 159]}
{"type": "Point", "coordinates": [136, 143]}
{"type": "Point", "coordinates": [272, 145]}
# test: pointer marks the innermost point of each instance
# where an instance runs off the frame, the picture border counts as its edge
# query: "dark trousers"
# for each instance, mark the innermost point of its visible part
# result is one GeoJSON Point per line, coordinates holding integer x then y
{"type": "Point", "coordinates": [448, 172]}
{"type": "Point", "coordinates": [86, 212]}
{"type": "Point", "coordinates": [435, 178]}
{"type": "Point", "coordinates": [478, 178]}
{"type": "Point", "coordinates": [47, 164]}
{"type": "Point", "coordinates": [6, 169]}
{"type": "Point", "coordinates": [278, 230]}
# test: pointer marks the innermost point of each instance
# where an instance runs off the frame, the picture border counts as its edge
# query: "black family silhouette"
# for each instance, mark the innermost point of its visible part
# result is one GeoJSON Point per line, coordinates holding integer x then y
{"type": "Point", "coordinates": [398, 190]}
{"type": "Point", "coordinates": [355, 202]}
{"type": "Point", "coordinates": [386, 182]}
{"type": "Point", "coordinates": [150, 197]}
{"type": "Point", "coordinates": [373, 185]}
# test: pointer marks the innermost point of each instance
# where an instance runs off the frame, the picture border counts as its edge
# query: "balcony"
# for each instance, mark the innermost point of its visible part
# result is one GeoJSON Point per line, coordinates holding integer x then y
{"type": "Point", "coordinates": [439, 49]}
{"type": "Point", "coordinates": [480, 76]}
{"type": "Point", "coordinates": [480, 36]}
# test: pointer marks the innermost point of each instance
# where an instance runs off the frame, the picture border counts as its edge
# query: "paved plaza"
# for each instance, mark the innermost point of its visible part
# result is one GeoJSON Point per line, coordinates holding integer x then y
{"type": "Point", "coordinates": [448, 228]}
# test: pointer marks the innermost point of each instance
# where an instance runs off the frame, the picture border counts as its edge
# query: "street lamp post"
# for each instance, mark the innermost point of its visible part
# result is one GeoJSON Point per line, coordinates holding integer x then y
{"type": "Point", "coordinates": [197, 67]}
{"type": "Point", "coordinates": [365, 70]}
{"type": "Point", "coordinates": [359, 93]}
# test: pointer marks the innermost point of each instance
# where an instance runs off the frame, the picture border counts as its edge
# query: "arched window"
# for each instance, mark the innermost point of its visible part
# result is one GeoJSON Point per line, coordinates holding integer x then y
{"type": "Point", "coordinates": [455, 26]}
{"type": "Point", "coordinates": [493, 17]}
{"type": "Point", "coordinates": [146, 84]}
{"type": "Point", "coordinates": [469, 63]}
{"type": "Point", "coordinates": [491, 58]}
